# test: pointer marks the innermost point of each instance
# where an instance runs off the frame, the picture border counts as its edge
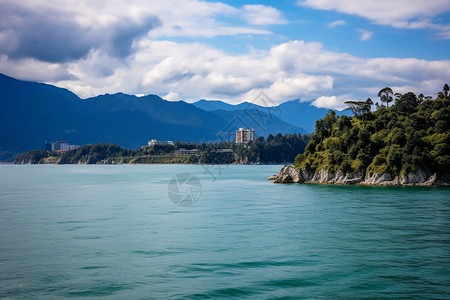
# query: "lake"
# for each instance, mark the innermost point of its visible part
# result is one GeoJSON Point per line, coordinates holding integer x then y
{"type": "Point", "coordinates": [202, 232]}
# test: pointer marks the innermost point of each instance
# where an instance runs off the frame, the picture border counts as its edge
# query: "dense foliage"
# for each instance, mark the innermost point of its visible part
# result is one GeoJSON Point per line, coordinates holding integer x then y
{"type": "Point", "coordinates": [411, 135]}
{"type": "Point", "coordinates": [32, 157]}
{"type": "Point", "coordinates": [274, 149]}
{"type": "Point", "coordinates": [91, 154]}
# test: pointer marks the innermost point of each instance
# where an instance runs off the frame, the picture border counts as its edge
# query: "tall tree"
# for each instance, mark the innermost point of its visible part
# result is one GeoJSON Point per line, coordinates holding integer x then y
{"type": "Point", "coordinates": [386, 95]}
{"type": "Point", "coordinates": [421, 97]}
{"type": "Point", "coordinates": [445, 89]}
{"type": "Point", "coordinates": [359, 107]}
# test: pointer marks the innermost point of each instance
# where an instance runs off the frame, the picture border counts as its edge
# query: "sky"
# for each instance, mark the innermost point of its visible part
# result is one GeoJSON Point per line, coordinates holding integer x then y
{"type": "Point", "coordinates": [320, 51]}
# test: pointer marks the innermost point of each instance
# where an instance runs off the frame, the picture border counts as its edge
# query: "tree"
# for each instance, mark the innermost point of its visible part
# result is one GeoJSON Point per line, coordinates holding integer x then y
{"type": "Point", "coordinates": [421, 97]}
{"type": "Point", "coordinates": [386, 95]}
{"type": "Point", "coordinates": [329, 119]}
{"type": "Point", "coordinates": [440, 95]}
{"type": "Point", "coordinates": [445, 89]}
{"type": "Point", "coordinates": [359, 107]}
{"type": "Point", "coordinates": [354, 107]}
{"type": "Point", "coordinates": [407, 102]}
{"type": "Point", "coordinates": [369, 102]}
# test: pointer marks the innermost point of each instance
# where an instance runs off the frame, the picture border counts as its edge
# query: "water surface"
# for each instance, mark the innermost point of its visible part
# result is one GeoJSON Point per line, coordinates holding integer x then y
{"type": "Point", "coordinates": [111, 231]}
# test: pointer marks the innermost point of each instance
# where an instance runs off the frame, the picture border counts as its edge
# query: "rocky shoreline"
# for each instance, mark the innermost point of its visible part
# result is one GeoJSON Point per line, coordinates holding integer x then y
{"type": "Point", "coordinates": [289, 174]}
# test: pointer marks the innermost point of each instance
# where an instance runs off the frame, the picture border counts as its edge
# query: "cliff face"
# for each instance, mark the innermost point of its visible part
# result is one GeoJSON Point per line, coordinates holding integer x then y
{"type": "Point", "coordinates": [289, 174]}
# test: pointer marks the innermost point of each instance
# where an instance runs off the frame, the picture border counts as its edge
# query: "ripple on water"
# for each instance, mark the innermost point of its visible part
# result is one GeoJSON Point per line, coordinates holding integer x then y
{"type": "Point", "coordinates": [98, 291]}
{"type": "Point", "coordinates": [152, 253]}
{"type": "Point", "coordinates": [93, 267]}
{"type": "Point", "coordinates": [224, 293]}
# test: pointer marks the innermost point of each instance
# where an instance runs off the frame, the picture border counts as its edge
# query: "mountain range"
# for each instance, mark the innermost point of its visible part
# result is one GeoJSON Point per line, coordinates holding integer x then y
{"type": "Point", "coordinates": [32, 113]}
{"type": "Point", "coordinates": [301, 114]}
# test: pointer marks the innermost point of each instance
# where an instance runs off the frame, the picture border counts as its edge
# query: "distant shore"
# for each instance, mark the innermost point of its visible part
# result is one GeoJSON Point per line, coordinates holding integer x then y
{"type": "Point", "coordinates": [128, 164]}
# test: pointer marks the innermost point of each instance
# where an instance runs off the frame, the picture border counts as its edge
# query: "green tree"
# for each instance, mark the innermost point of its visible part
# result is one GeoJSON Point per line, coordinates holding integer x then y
{"type": "Point", "coordinates": [386, 95]}
{"type": "Point", "coordinates": [359, 107]}
{"type": "Point", "coordinates": [329, 119]}
{"type": "Point", "coordinates": [407, 103]}
{"type": "Point", "coordinates": [445, 89]}
{"type": "Point", "coordinates": [440, 95]}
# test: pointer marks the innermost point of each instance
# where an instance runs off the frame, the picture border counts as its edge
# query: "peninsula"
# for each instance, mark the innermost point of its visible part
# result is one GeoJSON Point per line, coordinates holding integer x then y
{"type": "Point", "coordinates": [404, 144]}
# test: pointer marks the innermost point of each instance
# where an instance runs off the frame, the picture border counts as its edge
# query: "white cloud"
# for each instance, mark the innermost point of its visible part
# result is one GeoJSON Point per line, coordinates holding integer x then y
{"type": "Point", "coordinates": [365, 35]}
{"type": "Point", "coordinates": [413, 14]}
{"type": "Point", "coordinates": [68, 31]}
{"type": "Point", "coordinates": [337, 23]}
{"type": "Point", "coordinates": [172, 96]}
{"type": "Point", "coordinates": [331, 102]}
{"type": "Point", "coordinates": [41, 30]}
{"type": "Point", "coordinates": [262, 15]}
{"type": "Point", "coordinates": [286, 88]}
{"type": "Point", "coordinates": [326, 102]}
{"type": "Point", "coordinates": [287, 71]}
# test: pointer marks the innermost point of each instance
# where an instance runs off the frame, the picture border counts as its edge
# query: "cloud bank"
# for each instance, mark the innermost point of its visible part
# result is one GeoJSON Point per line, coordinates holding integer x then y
{"type": "Point", "coordinates": [411, 14]}
{"type": "Point", "coordinates": [113, 46]}
{"type": "Point", "coordinates": [289, 70]}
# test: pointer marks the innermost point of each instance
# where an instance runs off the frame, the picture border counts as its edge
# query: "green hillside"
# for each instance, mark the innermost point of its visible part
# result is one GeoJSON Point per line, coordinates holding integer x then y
{"type": "Point", "coordinates": [412, 134]}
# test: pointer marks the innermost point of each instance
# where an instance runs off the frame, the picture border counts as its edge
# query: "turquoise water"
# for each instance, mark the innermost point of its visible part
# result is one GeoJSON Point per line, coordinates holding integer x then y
{"type": "Point", "coordinates": [112, 231]}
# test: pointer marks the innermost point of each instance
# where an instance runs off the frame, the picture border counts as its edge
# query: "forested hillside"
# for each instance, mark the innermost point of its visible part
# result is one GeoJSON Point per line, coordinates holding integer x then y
{"type": "Point", "coordinates": [274, 149]}
{"type": "Point", "coordinates": [411, 135]}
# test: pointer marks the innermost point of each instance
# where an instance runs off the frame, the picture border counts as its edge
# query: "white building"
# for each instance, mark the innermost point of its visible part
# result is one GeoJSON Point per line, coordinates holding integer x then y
{"type": "Point", "coordinates": [160, 143]}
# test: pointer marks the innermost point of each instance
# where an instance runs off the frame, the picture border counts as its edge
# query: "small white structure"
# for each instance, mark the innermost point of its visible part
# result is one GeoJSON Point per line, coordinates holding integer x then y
{"type": "Point", "coordinates": [73, 147]}
{"type": "Point", "coordinates": [160, 143]}
{"type": "Point", "coordinates": [185, 152]}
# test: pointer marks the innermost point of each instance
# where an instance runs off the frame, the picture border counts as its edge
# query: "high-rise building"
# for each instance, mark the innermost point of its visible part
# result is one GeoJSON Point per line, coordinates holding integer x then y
{"type": "Point", "coordinates": [245, 135]}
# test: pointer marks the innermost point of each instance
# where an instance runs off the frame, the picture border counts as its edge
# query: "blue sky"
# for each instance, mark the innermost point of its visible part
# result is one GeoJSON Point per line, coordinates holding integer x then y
{"type": "Point", "coordinates": [309, 24]}
{"type": "Point", "coordinates": [321, 51]}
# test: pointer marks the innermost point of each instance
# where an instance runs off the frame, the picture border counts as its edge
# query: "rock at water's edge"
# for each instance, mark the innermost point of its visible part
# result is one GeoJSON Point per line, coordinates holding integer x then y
{"type": "Point", "coordinates": [289, 174]}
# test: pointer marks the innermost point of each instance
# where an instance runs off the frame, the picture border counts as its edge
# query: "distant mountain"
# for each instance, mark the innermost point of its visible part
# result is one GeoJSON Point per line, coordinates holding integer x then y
{"type": "Point", "coordinates": [300, 114]}
{"type": "Point", "coordinates": [32, 113]}
{"type": "Point", "coordinates": [263, 120]}
{"type": "Point", "coordinates": [212, 105]}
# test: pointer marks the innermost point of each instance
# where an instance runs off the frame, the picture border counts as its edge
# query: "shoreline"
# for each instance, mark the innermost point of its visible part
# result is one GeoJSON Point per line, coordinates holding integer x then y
{"type": "Point", "coordinates": [374, 184]}
{"type": "Point", "coordinates": [289, 174]}
{"type": "Point", "coordinates": [199, 164]}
